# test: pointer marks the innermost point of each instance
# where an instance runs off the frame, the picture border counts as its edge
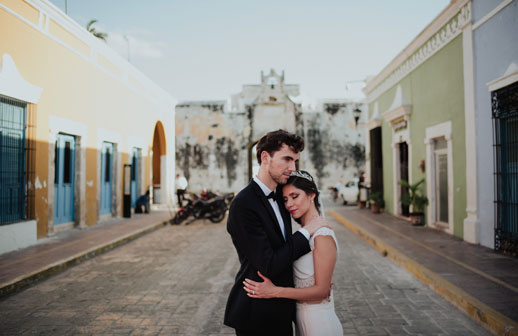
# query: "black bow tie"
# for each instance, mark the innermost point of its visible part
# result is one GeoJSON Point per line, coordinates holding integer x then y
{"type": "Point", "coordinates": [272, 196]}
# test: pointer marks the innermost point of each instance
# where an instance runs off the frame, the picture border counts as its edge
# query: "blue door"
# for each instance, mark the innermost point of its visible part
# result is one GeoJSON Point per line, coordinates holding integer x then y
{"type": "Point", "coordinates": [106, 178]}
{"type": "Point", "coordinates": [64, 166]}
{"type": "Point", "coordinates": [135, 161]}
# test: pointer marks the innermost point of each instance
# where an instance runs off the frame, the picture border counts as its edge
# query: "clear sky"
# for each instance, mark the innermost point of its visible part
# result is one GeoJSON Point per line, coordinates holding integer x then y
{"type": "Point", "coordinates": [207, 49]}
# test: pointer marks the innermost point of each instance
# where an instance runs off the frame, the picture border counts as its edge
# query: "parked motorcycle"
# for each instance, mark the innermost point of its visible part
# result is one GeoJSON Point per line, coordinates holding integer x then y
{"type": "Point", "coordinates": [228, 198]}
{"type": "Point", "coordinates": [213, 210]}
{"type": "Point", "coordinates": [208, 205]}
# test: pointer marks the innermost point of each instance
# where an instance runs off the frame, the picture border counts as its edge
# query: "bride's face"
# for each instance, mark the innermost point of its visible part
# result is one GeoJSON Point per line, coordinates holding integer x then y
{"type": "Point", "coordinates": [296, 201]}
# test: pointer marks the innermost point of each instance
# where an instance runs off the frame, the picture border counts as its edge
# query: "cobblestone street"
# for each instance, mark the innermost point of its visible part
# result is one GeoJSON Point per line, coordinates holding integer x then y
{"type": "Point", "coordinates": [175, 281]}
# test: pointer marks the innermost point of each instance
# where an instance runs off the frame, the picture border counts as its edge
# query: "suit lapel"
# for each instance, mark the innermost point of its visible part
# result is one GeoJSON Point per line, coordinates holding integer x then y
{"type": "Point", "coordinates": [267, 205]}
{"type": "Point", "coordinates": [285, 214]}
{"type": "Point", "coordinates": [286, 217]}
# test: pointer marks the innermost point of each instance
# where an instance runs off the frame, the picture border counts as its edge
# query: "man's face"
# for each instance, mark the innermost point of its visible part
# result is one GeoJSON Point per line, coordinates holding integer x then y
{"type": "Point", "coordinates": [282, 163]}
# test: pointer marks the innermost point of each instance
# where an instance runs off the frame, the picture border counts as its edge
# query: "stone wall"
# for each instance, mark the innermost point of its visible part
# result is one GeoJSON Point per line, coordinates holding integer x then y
{"type": "Point", "coordinates": [335, 145]}
{"type": "Point", "coordinates": [211, 147]}
{"type": "Point", "coordinates": [214, 138]}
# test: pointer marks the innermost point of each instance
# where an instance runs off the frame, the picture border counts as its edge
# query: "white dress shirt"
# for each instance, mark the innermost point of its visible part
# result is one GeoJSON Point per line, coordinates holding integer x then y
{"type": "Point", "coordinates": [277, 211]}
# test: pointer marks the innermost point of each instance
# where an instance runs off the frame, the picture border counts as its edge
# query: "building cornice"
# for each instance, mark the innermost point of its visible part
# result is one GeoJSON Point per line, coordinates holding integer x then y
{"type": "Point", "coordinates": [373, 124]}
{"type": "Point", "coordinates": [375, 120]}
{"type": "Point", "coordinates": [398, 113]}
{"type": "Point", "coordinates": [509, 77]}
{"type": "Point", "coordinates": [13, 85]}
{"type": "Point", "coordinates": [444, 28]}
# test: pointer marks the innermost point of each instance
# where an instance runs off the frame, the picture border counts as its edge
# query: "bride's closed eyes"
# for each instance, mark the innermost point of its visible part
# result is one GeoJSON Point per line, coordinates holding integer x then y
{"type": "Point", "coordinates": [293, 196]}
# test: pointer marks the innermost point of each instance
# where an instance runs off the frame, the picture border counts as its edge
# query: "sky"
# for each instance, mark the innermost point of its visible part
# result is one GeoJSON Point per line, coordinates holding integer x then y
{"type": "Point", "coordinates": [209, 49]}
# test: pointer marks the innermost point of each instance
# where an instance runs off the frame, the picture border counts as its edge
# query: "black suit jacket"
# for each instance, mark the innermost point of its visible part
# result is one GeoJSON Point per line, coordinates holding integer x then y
{"type": "Point", "coordinates": [260, 245]}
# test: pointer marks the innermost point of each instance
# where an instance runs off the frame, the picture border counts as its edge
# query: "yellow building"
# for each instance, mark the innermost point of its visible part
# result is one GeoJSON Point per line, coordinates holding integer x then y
{"type": "Point", "coordinates": [72, 114]}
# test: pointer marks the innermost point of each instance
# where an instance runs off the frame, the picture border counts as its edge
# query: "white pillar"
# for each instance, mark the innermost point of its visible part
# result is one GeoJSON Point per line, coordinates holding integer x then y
{"type": "Point", "coordinates": [471, 222]}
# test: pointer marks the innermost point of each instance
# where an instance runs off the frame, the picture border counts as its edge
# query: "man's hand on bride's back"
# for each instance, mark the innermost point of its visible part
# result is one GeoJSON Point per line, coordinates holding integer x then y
{"type": "Point", "coordinates": [316, 224]}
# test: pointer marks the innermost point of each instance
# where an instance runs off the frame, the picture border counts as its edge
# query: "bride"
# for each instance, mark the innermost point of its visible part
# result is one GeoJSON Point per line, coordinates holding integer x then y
{"type": "Point", "coordinates": [313, 271]}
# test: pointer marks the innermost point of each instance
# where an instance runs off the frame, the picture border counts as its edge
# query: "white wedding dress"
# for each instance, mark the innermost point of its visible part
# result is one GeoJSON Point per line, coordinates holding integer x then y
{"type": "Point", "coordinates": [314, 319]}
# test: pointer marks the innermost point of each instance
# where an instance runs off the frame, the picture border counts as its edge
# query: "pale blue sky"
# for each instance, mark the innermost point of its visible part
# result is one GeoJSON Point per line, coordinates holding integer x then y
{"type": "Point", "coordinates": [208, 49]}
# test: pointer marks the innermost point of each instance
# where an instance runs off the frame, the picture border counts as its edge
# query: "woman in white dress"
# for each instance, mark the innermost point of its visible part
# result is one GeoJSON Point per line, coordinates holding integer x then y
{"type": "Point", "coordinates": [313, 271]}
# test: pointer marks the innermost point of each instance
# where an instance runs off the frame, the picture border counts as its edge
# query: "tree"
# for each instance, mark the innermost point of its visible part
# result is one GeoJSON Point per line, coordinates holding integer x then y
{"type": "Point", "coordinates": [98, 34]}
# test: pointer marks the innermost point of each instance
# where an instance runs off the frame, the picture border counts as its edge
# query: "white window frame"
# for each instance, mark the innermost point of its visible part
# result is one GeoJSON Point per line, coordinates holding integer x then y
{"type": "Point", "coordinates": [397, 138]}
{"type": "Point", "coordinates": [105, 135]}
{"type": "Point", "coordinates": [399, 110]}
{"type": "Point", "coordinates": [80, 132]}
{"type": "Point", "coordinates": [433, 133]}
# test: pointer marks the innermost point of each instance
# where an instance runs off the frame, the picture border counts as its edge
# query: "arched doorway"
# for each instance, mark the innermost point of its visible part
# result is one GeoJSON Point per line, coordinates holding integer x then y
{"type": "Point", "coordinates": [159, 164]}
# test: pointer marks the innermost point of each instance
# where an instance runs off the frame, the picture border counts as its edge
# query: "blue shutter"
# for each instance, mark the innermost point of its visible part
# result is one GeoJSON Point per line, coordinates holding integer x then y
{"type": "Point", "coordinates": [106, 178]}
{"type": "Point", "coordinates": [12, 160]}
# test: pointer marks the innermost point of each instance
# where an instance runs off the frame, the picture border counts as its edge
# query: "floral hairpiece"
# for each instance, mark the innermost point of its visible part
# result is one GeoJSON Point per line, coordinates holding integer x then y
{"type": "Point", "coordinates": [303, 174]}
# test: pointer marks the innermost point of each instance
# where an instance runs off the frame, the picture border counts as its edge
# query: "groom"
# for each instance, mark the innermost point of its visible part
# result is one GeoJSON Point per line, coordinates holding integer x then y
{"type": "Point", "coordinates": [260, 227]}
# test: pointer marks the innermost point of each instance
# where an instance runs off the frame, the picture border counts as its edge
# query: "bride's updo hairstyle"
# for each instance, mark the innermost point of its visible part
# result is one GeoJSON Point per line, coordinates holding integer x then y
{"type": "Point", "coordinates": [301, 179]}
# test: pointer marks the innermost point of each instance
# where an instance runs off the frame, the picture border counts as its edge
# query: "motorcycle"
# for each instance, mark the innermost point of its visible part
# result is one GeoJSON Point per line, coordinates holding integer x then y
{"type": "Point", "coordinates": [213, 209]}
{"type": "Point", "coordinates": [228, 198]}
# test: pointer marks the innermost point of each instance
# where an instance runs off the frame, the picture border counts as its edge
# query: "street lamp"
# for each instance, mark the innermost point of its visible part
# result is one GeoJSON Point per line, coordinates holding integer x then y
{"type": "Point", "coordinates": [357, 114]}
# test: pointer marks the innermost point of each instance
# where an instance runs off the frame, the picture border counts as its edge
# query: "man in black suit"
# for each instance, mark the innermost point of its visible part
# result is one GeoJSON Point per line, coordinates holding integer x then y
{"type": "Point", "coordinates": [260, 227]}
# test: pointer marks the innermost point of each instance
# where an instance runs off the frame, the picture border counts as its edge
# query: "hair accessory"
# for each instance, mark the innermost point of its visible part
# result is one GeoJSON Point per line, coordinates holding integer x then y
{"type": "Point", "coordinates": [303, 174]}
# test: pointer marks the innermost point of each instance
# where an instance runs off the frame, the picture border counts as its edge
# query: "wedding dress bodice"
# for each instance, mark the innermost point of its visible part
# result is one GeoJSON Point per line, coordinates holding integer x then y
{"type": "Point", "coordinates": [303, 268]}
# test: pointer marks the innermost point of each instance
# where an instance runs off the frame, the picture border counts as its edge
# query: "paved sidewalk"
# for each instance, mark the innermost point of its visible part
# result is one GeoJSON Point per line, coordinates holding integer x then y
{"type": "Point", "coordinates": [477, 280]}
{"type": "Point", "coordinates": [19, 269]}
{"type": "Point", "coordinates": [176, 280]}
{"type": "Point", "coordinates": [480, 282]}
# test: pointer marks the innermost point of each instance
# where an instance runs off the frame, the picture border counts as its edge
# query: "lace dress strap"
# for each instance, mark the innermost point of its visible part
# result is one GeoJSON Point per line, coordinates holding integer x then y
{"type": "Point", "coordinates": [324, 231]}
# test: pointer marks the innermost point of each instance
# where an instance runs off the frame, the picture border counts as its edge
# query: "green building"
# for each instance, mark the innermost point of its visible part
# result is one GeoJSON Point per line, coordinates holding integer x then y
{"type": "Point", "coordinates": [418, 106]}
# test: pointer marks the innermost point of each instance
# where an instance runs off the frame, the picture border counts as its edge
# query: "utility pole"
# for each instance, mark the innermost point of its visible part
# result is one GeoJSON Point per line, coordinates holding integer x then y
{"type": "Point", "coordinates": [66, 7]}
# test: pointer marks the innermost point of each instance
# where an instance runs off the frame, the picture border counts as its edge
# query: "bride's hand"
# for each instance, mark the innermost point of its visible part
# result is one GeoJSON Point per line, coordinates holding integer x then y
{"type": "Point", "coordinates": [261, 290]}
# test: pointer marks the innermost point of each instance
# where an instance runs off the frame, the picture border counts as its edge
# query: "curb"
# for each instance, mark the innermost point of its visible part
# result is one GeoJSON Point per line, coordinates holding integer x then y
{"type": "Point", "coordinates": [484, 315]}
{"type": "Point", "coordinates": [22, 282]}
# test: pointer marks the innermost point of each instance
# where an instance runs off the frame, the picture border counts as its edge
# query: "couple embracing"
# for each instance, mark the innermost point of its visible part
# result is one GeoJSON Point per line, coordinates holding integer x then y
{"type": "Point", "coordinates": [263, 300]}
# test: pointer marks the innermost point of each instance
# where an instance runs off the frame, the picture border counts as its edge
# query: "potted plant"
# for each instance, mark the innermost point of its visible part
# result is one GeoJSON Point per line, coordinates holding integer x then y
{"type": "Point", "coordinates": [377, 202]}
{"type": "Point", "coordinates": [416, 200]}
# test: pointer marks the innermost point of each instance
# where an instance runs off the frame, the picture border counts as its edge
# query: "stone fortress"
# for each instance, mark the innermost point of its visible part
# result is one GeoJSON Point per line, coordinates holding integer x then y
{"type": "Point", "coordinates": [215, 140]}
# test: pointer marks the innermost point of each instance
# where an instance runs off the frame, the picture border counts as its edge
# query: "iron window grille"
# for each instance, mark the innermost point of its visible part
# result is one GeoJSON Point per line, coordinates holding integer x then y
{"type": "Point", "coordinates": [505, 131]}
{"type": "Point", "coordinates": [17, 160]}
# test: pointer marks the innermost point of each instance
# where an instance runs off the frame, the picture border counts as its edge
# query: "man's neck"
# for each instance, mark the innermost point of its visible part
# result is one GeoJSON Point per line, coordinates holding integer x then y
{"type": "Point", "coordinates": [266, 179]}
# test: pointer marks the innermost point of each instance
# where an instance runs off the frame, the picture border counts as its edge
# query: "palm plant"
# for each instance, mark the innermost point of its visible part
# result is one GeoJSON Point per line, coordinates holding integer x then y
{"type": "Point", "coordinates": [414, 197]}
{"type": "Point", "coordinates": [98, 34]}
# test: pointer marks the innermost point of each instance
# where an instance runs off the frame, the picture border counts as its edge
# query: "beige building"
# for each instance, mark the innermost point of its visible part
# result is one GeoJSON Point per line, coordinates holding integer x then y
{"type": "Point", "coordinates": [73, 113]}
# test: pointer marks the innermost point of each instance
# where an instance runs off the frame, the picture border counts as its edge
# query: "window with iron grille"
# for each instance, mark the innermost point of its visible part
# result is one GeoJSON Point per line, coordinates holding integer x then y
{"type": "Point", "coordinates": [505, 131]}
{"type": "Point", "coordinates": [16, 162]}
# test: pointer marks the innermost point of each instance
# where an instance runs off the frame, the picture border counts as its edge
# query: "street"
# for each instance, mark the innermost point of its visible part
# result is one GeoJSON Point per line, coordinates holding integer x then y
{"type": "Point", "coordinates": [175, 281]}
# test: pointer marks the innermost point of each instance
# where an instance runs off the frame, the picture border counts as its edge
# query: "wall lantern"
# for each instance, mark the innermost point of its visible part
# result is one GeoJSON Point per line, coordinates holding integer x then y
{"type": "Point", "coordinates": [357, 114]}
{"type": "Point", "coordinates": [422, 166]}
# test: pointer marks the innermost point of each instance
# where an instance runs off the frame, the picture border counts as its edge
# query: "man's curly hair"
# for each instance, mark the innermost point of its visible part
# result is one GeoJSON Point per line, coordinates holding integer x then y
{"type": "Point", "coordinates": [273, 141]}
